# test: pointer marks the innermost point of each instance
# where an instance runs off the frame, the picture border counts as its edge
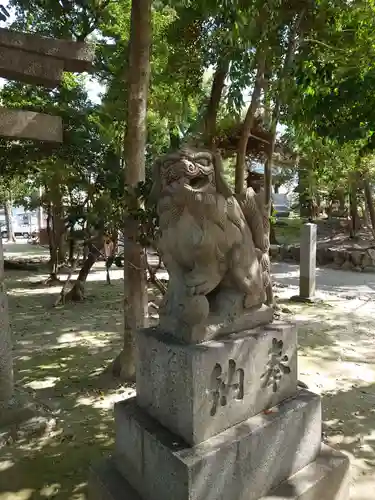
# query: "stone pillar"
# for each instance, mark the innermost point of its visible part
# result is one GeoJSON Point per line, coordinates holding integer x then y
{"type": "Point", "coordinates": [6, 365]}
{"type": "Point", "coordinates": [307, 261]}
{"type": "Point", "coordinates": [220, 420]}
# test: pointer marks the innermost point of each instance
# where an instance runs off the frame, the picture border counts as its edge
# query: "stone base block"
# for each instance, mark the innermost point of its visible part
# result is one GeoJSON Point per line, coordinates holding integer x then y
{"type": "Point", "coordinates": [198, 391]}
{"type": "Point", "coordinates": [216, 325]}
{"type": "Point", "coordinates": [241, 463]}
{"type": "Point", "coordinates": [106, 483]}
{"type": "Point", "coordinates": [327, 478]}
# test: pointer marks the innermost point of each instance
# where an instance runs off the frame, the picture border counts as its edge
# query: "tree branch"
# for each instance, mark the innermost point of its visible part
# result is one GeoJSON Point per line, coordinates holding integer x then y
{"type": "Point", "coordinates": [214, 102]}
{"type": "Point", "coordinates": [323, 44]}
{"type": "Point", "coordinates": [248, 123]}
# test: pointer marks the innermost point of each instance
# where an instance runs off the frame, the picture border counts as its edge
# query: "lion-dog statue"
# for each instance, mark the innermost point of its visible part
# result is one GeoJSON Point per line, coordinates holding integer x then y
{"type": "Point", "coordinates": [214, 246]}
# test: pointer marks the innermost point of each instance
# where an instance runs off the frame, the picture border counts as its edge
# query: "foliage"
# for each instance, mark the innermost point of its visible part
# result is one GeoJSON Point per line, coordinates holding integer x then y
{"type": "Point", "coordinates": [329, 102]}
{"type": "Point", "coordinates": [334, 76]}
{"type": "Point", "coordinates": [326, 94]}
{"type": "Point", "coordinates": [172, 106]}
{"type": "Point", "coordinates": [14, 190]}
{"type": "Point", "coordinates": [323, 165]}
{"type": "Point", "coordinates": [83, 163]}
{"type": "Point", "coordinates": [60, 19]}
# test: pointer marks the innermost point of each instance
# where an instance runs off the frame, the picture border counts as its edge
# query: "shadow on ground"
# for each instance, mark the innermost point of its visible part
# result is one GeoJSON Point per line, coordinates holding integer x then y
{"type": "Point", "coordinates": [59, 353]}
{"type": "Point", "coordinates": [59, 356]}
{"type": "Point", "coordinates": [337, 360]}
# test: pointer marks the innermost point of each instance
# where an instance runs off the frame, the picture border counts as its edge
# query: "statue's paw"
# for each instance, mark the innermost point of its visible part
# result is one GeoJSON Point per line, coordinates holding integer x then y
{"type": "Point", "coordinates": [243, 283]}
{"type": "Point", "coordinates": [200, 285]}
{"type": "Point", "coordinates": [199, 288]}
{"type": "Point", "coordinates": [196, 310]}
{"type": "Point", "coordinates": [252, 300]}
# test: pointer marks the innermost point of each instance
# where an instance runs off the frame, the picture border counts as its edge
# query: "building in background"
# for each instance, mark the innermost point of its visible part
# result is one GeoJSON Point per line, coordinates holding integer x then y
{"type": "Point", "coordinates": [25, 222]}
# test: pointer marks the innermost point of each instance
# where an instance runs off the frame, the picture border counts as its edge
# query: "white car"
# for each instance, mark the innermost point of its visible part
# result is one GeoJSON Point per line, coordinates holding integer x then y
{"type": "Point", "coordinates": [20, 230]}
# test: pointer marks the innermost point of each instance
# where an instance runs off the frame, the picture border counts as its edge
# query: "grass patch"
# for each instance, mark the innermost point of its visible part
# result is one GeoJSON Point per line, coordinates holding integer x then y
{"type": "Point", "coordinates": [59, 355]}
{"type": "Point", "coordinates": [288, 230]}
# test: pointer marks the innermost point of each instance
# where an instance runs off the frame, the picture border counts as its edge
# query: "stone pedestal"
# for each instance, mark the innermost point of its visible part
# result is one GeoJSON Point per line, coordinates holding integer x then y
{"type": "Point", "coordinates": [199, 390]}
{"type": "Point", "coordinates": [221, 420]}
{"type": "Point", "coordinates": [243, 462]}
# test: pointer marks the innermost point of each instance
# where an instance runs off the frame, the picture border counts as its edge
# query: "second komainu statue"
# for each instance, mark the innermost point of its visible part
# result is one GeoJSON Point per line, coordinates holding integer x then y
{"type": "Point", "coordinates": [214, 246]}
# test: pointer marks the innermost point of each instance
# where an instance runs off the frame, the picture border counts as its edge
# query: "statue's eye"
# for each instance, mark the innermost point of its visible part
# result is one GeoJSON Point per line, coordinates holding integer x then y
{"type": "Point", "coordinates": [204, 161]}
{"type": "Point", "coordinates": [168, 164]}
{"type": "Point", "coordinates": [172, 175]}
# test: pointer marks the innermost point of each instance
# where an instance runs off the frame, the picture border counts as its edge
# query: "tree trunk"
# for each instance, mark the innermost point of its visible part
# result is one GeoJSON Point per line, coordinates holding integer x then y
{"type": "Point", "coordinates": [273, 239]}
{"type": "Point", "coordinates": [6, 362]}
{"type": "Point", "coordinates": [53, 251]}
{"type": "Point", "coordinates": [318, 205]}
{"type": "Point", "coordinates": [267, 97]}
{"type": "Point", "coordinates": [304, 192]}
{"type": "Point", "coordinates": [353, 215]}
{"type": "Point", "coordinates": [71, 246]}
{"type": "Point", "coordinates": [329, 209]}
{"type": "Point", "coordinates": [58, 222]}
{"type": "Point", "coordinates": [247, 126]}
{"type": "Point", "coordinates": [77, 293]}
{"type": "Point", "coordinates": [341, 199]}
{"type": "Point", "coordinates": [214, 102]}
{"type": "Point", "coordinates": [135, 289]}
{"type": "Point", "coordinates": [369, 202]}
{"type": "Point", "coordinates": [289, 56]}
{"type": "Point", "coordinates": [40, 210]}
{"type": "Point", "coordinates": [9, 220]}
{"type": "Point", "coordinates": [56, 227]}
{"type": "Point", "coordinates": [174, 138]}
{"type": "Point", "coordinates": [353, 202]}
{"type": "Point", "coordinates": [367, 218]}
{"type": "Point", "coordinates": [268, 180]}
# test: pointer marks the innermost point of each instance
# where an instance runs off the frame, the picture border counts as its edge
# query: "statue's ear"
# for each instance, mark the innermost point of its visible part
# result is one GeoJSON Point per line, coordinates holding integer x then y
{"type": "Point", "coordinates": [155, 192]}
{"type": "Point", "coordinates": [222, 186]}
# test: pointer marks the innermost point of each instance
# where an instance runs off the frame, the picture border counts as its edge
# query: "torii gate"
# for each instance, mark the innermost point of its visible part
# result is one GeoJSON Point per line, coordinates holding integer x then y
{"type": "Point", "coordinates": [37, 60]}
{"type": "Point", "coordinates": [42, 61]}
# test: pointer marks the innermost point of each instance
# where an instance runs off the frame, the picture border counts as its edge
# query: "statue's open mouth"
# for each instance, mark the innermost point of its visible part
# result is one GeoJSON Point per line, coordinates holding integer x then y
{"type": "Point", "coordinates": [197, 183]}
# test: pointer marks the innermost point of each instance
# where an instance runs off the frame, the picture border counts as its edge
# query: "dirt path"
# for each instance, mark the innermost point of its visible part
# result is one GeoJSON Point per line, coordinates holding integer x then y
{"type": "Point", "coordinates": [58, 353]}
{"type": "Point", "coordinates": [337, 360]}
{"type": "Point", "coordinates": [330, 283]}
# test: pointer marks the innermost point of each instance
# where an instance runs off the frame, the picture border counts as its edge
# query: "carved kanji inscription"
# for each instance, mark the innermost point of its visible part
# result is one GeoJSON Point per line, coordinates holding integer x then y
{"type": "Point", "coordinates": [277, 365]}
{"type": "Point", "coordinates": [226, 386]}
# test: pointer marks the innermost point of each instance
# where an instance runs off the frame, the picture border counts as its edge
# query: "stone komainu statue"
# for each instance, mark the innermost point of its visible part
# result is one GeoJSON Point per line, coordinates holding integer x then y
{"type": "Point", "coordinates": [214, 246]}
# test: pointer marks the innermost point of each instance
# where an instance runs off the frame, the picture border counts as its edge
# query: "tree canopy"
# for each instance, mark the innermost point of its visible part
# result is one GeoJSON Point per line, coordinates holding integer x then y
{"type": "Point", "coordinates": [312, 64]}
